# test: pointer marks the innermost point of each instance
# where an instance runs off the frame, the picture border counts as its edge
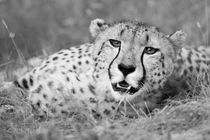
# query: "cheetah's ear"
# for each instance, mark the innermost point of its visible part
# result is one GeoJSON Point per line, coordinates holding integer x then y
{"type": "Point", "coordinates": [178, 38]}
{"type": "Point", "coordinates": [96, 26]}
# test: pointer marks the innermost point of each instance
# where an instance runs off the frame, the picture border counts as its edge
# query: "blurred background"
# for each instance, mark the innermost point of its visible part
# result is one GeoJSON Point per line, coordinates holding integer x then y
{"type": "Point", "coordinates": [44, 26]}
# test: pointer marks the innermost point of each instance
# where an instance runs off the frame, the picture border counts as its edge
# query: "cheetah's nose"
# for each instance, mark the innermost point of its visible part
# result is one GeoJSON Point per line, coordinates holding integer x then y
{"type": "Point", "coordinates": [126, 69]}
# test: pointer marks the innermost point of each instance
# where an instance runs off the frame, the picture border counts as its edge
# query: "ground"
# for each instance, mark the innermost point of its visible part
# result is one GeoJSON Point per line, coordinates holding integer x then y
{"type": "Point", "coordinates": [185, 117]}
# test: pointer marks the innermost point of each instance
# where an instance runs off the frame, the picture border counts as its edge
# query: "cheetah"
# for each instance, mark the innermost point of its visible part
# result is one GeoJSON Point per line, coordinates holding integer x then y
{"type": "Point", "coordinates": [128, 61]}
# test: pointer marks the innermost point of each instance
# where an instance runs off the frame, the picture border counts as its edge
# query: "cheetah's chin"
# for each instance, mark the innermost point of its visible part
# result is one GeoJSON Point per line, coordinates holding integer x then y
{"type": "Point", "coordinates": [123, 87]}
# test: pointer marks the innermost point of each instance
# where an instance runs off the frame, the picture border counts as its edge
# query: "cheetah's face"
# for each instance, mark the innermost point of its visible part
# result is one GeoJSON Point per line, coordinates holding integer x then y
{"type": "Point", "coordinates": [139, 58]}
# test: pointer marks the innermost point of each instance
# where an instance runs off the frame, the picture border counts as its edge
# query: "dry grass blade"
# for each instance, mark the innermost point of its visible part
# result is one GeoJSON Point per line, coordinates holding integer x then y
{"type": "Point", "coordinates": [7, 63]}
{"type": "Point", "coordinates": [118, 107]}
{"type": "Point", "coordinates": [12, 35]}
{"type": "Point", "coordinates": [125, 107]}
{"type": "Point", "coordinates": [207, 22]}
{"type": "Point", "coordinates": [125, 103]}
{"type": "Point", "coordinates": [137, 113]}
{"type": "Point", "coordinates": [145, 103]}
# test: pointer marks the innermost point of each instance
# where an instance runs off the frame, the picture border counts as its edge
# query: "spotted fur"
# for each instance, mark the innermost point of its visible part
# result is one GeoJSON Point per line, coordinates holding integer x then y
{"type": "Point", "coordinates": [128, 61]}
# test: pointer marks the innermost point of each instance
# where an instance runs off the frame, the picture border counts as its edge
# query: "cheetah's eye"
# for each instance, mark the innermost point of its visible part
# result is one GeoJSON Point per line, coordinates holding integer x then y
{"type": "Point", "coordinates": [115, 43]}
{"type": "Point", "coordinates": [150, 50]}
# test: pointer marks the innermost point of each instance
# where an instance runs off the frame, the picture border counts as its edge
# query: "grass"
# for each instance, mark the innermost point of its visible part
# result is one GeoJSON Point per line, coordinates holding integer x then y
{"type": "Point", "coordinates": [182, 118]}
{"type": "Point", "coordinates": [185, 117]}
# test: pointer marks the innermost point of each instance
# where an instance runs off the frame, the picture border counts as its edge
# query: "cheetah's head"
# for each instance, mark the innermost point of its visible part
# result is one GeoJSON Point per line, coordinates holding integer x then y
{"type": "Point", "coordinates": [138, 57]}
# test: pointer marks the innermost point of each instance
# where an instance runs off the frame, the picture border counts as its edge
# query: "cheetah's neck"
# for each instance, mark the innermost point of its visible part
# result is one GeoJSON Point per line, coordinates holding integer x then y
{"type": "Point", "coordinates": [192, 61]}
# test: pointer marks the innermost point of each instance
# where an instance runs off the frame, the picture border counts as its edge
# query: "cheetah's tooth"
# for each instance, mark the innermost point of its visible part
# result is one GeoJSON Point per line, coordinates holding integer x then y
{"type": "Point", "coordinates": [118, 85]}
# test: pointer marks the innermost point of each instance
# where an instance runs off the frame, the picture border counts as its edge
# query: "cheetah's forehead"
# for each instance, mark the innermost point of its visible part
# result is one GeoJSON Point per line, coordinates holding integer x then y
{"type": "Point", "coordinates": [134, 35]}
{"type": "Point", "coordinates": [130, 31]}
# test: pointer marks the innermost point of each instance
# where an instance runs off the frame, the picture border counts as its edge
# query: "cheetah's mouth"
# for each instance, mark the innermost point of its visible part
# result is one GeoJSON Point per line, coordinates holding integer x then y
{"type": "Point", "coordinates": [124, 87]}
